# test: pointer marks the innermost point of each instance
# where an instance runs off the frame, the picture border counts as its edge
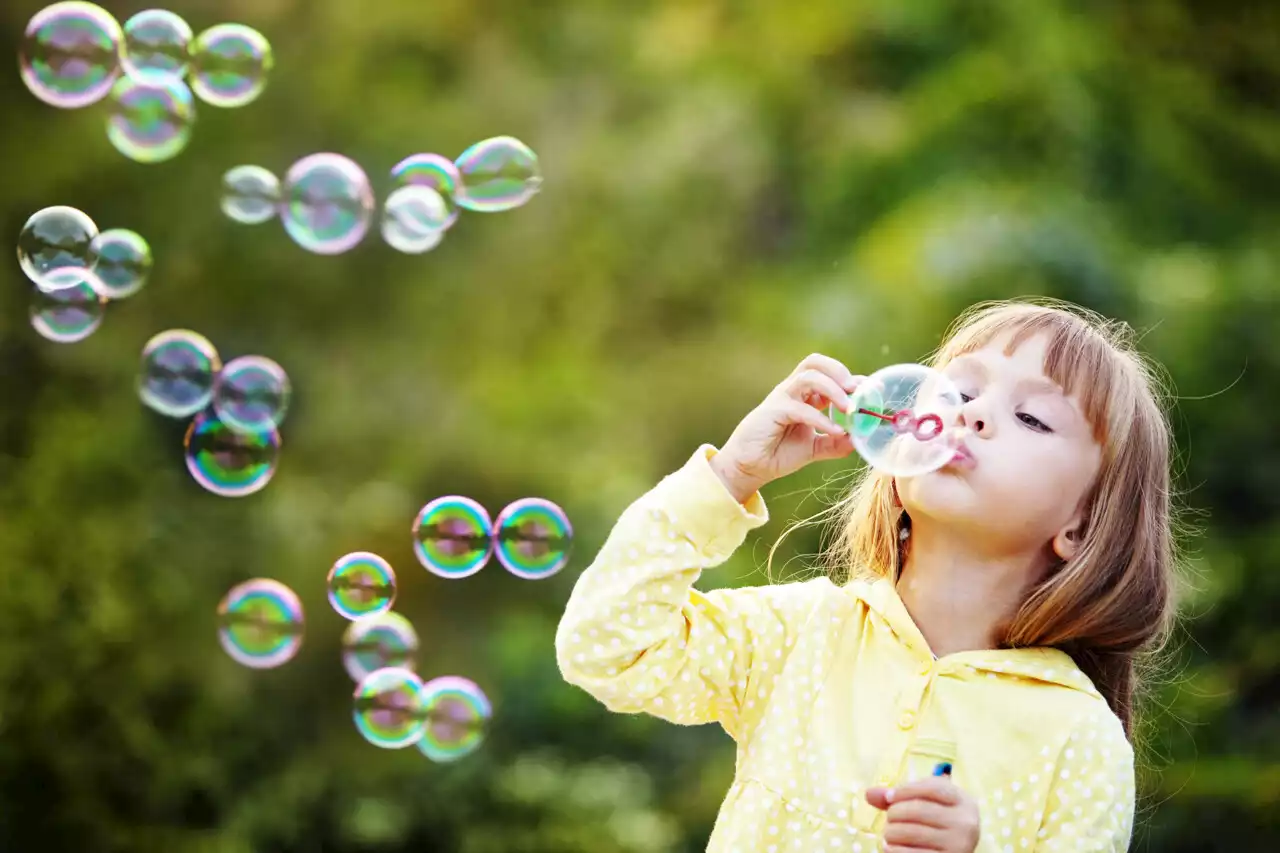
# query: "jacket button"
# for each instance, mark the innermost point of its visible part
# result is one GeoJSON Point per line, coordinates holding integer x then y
{"type": "Point", "coordinates": [906, 720]}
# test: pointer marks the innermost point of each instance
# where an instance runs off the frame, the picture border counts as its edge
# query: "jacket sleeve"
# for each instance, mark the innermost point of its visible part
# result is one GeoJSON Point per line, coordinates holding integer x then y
{"type": "Point", "coordinates": [639, 638]}
{"type": "Point", "coordinates": [1091, 801]}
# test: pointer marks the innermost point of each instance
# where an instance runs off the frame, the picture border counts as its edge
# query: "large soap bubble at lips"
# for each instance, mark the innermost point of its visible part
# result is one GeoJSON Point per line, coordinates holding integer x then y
{"type": "Point", "coordinates": [70, 54]}
{"type": "Point", "coordinates": [902, 419]}
{"type": "Point", "coordinates": [327, 203]}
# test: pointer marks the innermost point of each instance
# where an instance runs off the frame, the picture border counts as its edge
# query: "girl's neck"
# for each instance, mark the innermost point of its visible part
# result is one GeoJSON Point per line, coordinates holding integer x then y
{"type": "Point", "coordinates": [959, 597]}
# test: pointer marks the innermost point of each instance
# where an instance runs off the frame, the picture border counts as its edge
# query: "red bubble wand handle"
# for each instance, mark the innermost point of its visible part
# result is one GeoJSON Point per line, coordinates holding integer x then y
{"type": "Point", "coordinates": [923, 428]}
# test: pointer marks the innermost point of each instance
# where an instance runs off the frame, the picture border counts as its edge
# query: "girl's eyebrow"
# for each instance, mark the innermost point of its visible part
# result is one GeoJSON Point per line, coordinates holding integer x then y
{"type": "Point", "coordinates": [970, 362]}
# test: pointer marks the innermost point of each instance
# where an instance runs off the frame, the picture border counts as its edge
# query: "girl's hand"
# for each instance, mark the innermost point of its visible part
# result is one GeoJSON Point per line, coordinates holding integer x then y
{"type": "Point", "coordinates": [931, 814]}
{"type": "Point", "coordinates": [782, 434]}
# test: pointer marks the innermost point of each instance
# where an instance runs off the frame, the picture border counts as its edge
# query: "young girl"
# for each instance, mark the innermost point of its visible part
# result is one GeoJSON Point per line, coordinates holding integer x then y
{"type": "Point", "coordinates": [988, 634]}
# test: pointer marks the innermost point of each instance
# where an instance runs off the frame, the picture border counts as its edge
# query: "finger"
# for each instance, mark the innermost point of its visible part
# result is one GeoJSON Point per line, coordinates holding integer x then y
{"type": "Point", "coordinates": [832, 446]}
{"type": "Point", "coordinates": [914, 835]}
{"type": "Point", "coordinates": [815, 383]}
{"type": "Point", "coordinates": [831, 367]}
{"type": "Point", "coordinates": [796, 412]}
{"type": "Point", "coordinates": [924, 812]}
{"type": "Point", "coordinates": [900, 848]}
{"type": "Point", "coordinates": [878, 798]}
{"type": "Point", "coordinates": [939, 789]}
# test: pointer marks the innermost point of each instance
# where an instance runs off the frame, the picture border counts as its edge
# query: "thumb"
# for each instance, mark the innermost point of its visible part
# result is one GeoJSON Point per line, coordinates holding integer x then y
{"type": "Point", "coordinates": [880, 798]}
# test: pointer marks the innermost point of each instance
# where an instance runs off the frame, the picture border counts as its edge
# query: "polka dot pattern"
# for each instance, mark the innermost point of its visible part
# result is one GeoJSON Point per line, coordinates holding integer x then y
{"type": "Point", "coordinates": [829, 691]}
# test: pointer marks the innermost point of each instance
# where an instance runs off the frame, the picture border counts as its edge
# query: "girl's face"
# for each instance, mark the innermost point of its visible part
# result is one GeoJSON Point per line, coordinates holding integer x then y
{"type": "Point", "coordinates": [1028, 455]}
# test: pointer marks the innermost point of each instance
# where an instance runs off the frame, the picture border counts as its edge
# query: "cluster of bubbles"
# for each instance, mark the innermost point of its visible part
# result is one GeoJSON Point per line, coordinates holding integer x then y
{"type": "Point", "coordinates": [75, 270]}
{"type": "Point", "coordinates": [454, 537]}
{"type": "Point", "coordinates": [150, 71]}
{"type": "Point", "coordinates": [902, 419]}
{"type": "Point", "coordinates": [327, 205]}
{"type": "Point", "coordinates": [232, 445]}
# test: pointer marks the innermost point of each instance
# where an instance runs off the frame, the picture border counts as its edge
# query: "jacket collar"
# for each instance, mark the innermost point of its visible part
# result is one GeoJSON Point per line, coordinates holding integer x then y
{"type": "Point", "coordinates": [1045, 664]}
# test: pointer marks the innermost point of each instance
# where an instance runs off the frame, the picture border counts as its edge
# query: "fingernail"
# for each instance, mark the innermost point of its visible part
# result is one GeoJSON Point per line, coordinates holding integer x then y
{"type": "Point", "coordinates": [888, 796]}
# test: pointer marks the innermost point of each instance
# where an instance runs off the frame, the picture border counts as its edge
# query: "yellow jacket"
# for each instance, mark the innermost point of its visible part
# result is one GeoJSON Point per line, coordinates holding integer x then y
{"type": "Point", "coordinates": [830, 690]}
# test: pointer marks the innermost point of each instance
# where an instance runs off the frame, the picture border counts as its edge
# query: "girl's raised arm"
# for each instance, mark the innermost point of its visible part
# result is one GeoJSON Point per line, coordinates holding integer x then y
{"type": "Point", "coordinates": [639, 638]}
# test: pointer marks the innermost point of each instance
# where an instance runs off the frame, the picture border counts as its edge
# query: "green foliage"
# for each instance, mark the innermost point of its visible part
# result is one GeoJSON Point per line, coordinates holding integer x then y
{"type": "Point", "coordinates": [728, 187]}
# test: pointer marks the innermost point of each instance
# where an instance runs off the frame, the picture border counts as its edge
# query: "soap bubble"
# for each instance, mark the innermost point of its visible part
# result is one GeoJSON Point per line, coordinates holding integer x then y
{"type": "Point", "coordinates": [70, 54]}
{"type": "Point", "coordinates": [55, 248]}
{"type": "Point", "coordinates": [151, 117]}
{"type": "Point", "coordinates": [376, 642]}
{"type": "Point", "coordinates": [67, 315]}
{"type": "Point", "coordinates": [433, 172]}
{"type": "Point", "coordinates": [453, 537]}
{"type": "Point", "coordinates": [251, 394]}
{"type": "Point", "coordinates": [327, 203]}
{"type": "Point", "coordinates": [388, 708]}
{"type": "Point", "coordinates": [227, 462]}
{"type": "Point", "coordinates": [534, 538]}
{"type": "Point", "coordinates": [260, 623]}
{"type": "Point", "coordinates": [178, 371]}
{"type": "Point", "coordinates": [361, 585]}
{"type": "Point", "coordinates": [498, 174]}
{"type": "Point", "coordinates": [124, 263]}
{"type": "Point", "coordinates": [901, 419]}
{"type": "Point", "coordinates": [250, 194]}
{"type": "Point", "coordinates": [457, 716]}
{"type": "Point", "coordinates": [156, 42]}
{"type": "Point", "coordinates": [413, 219]}
{"type": "Point", "coordinates": [230, 64]}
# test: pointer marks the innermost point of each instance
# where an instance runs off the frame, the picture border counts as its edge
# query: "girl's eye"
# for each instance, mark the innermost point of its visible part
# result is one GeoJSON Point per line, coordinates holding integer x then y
{"type": "Point", "coordinates": [964, 398]}
{"type": "Point", "coordinates": [1034, 422]}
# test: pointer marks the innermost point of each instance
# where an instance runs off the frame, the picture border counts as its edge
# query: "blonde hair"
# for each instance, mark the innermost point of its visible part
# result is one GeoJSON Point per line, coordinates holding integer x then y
{"type": "Point", "coordinates": [1112, 605]}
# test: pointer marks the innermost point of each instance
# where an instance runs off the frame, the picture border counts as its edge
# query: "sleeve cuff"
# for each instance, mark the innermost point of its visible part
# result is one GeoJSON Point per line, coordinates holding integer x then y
{"type": "Point", "coordinates": [700, 506]}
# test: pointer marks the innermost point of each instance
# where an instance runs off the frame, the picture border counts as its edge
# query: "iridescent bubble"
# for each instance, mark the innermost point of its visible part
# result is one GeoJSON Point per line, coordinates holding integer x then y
{"type": "Point", "coordinates": [457, 718]}
{"type": "Point", "coordinates": [230, 64]}
{"type": "Point", "coordinates": [228, 462]}
{"type": "Point", "coordinates": [388, 708]}
{"type": "Point", "coordinates": [70, 54]}
{"type": "Point", "coordinates": [251, 394]}
{"type": "Point", "coordinates": [453, 537]}
{"type": "Point", "coordinates": [151, 117]}
{"type": "Point", "coordinates": [413, 219]}
{"type": "Point", "coordinates": [260, 623]}
{"type": "Point", "coordinates": [178, 371]}
{"type": "Point", "coordinates": [902, 418]}
{"type": "Point", "coordinates": [67, 315]}
{"type": "Point", "coordinates": [55, 248]}
{"type": "Point", "coordinates": [156, 42]}
{"type": "Point", "coordinates": [498, 174]}
{"type": "Point", "coordinates": [534, 538]}
{"type": "Point", "coordinates": [250, 194]}
{"type": "Point", "coordinates": [124, 263]}
{"type": "Point", "coordinates": [361, 585]}
{"type": "Point", "coordinates": [433, 172]}
{"type": "Point", "coordinates": [377, 642]}
{"type": "Point", "coordinates": [327, 204]}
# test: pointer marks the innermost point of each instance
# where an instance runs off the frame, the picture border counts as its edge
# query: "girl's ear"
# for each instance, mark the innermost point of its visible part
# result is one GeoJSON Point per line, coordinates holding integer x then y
{"type": "Point", "coordinates": [1069, 539]}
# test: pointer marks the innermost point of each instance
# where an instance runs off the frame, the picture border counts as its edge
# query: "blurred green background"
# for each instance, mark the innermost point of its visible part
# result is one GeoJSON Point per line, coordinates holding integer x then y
{"type": "Point", "coordinates": [729, 186]}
